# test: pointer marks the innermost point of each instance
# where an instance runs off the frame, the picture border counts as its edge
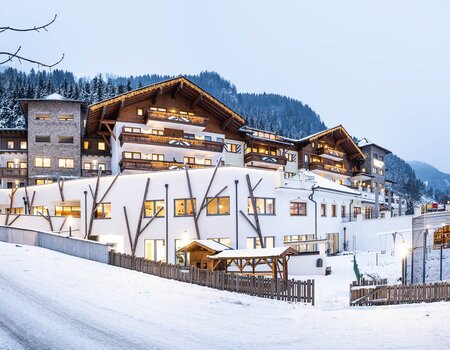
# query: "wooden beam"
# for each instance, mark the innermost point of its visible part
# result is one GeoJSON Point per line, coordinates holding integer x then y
{"type": "Point", "coordinates": [227, 122]}
{"type": "Point", "coordinates": [158, 93]}
{"type": "Point", "coordinates": [208, 188]}
{"type": "Point", "coordinates": [11, 199]}
{"type": "Point", "coordinates": [111, 132]}
{"type": "Point", "coordinates": [122, 104]}
{"type": "Point", "coordinates": [138, 228]}
{"type": "Point", "coordinates": [217, 195]}
{"type": "Point", "coordinates": [197, 101]}
{"type": "Point", "coordinates": [254, 187]}
{"type": "Point", "coordinates": [128, 227]}
{"type": "Point", "coordinates": [151, 220]}
{"type": "Point", "coordinates": [255, 212]}
{"type": "Point", "coordinates": [197, 230]}
{"type": "Point", "coordinates": [108, 189]}
{"type": "Point", "coordinates": [18, 215]}
{"type": "Point", "coordinates": [30, 204]}
{"type": "Point", "coordinates": [341, 141]}
{"type": "Point", "coordinates": [61, 227]}
{"type": "Point", "coordinates": [106, 140]}
{"type": "Point", "coordinates": [60, 183]}
{"type": "Point", "coordinates": [248, 220]}
{"type": "Point", "coordinates": [94, 207]}
{"type": "Point", "coordinates": [101, 118]}
{"type": "Point", "coordinates": [177, 89]}
{"type": "Point", "coordinates": [49, 219]}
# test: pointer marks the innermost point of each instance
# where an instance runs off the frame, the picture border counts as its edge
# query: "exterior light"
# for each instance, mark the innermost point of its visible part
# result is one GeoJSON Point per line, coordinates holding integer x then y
{"type": "Point", "coordinates": [403, 249]}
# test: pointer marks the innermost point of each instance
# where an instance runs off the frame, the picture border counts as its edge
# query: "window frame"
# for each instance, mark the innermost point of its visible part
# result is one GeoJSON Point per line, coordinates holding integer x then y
{"type": "Point", "coordinates": [217, 201]}
{"type": "Point", "coordinates": [249, 205]}
{"type": "Point", "coordinates": [162, 214]}
{"type": "Point", "coordinates": [65, 160]}
{"type": "Point", "coordinates": [323, 210]}
{"type": "Point", "coordinates": [298, 208]}
{"type": "Point", "coordinates": [102, 211]}
{"type": "Point", "coordinates": [43, 159]}
{"type": "Point", "coordinates": [185, 201]}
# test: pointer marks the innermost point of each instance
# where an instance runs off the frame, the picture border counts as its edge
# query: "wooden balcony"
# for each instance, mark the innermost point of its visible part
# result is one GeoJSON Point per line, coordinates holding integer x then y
{"type": "Point", "coordinates": [92, 172]}
{"type": "Point", "coordinates": [170, 141]}
{"type": "Point", "coordinates": [265, 159]}
{"type": "Point", "coordinates": [176, 118]}
{"type": "Point", "coordinates": [329, 168]}
{"type": "Point", "coordinates": [13, 173]}
{"type": "Point", "coordinates": [330, 153]}
{"type": "Point", "coordinates": [155, 165]}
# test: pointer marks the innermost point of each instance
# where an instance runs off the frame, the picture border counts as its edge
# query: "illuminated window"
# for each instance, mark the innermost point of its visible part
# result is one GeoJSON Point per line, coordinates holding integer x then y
{"type": "Point", "coordinates": [159, 157]}
{"type": "Point", "coordinates": [42, 138]}
{"type": "Point", "coordinates": [10, 145]}
{"type": "Point", "coordinates": [157, 132]}
{"type": "Point", "coordinates": [35, 210]}
{"type": "Point", "coordinates": [301, 247]}
{"type": "Point", "coordinates": [183, 207]}
{"type": "Point", "coordinates": [23, 165]}
{"type": "Point", "coordinates": [67, 163]}
{"type": "Point", "coordinates": [264, 206]}
{"type": "Point", "coordinates": [130, 129]}
{"type": "Point", "coordinates": [218, 206]}
{"type": "Point", "coordinates": [189, 160]}
{"type": "Point", "coordinates": [208, 161]}
{"type": "Point", "coordinates": [290, 157]}
{"type": "Point", "coordinates": [254, 243]}
{"type": "Point", "coordinates": [233, 148]}
{"type": "Point", "coordinates": [43, 117]}
{"type": "Point", "coordinates": [10, 164]}
{"type": "Point", "coordinates": [101, 166]}
{"type": "Point", "coordinates": [65, 117]}
{"type": "Point", "coordinates": [87, 166]}
{"type": "Point", "coordinates": [23, 144]}
{"type": "Point", "coordinates": [43, 181]}
{"type": "Point", "coordinates": [18, 210]}
{"type": "Point", "coordinates": [298, 209]}
{"type": "Point", "coordinates": [101, 146]}
{"type": "Point", "coordinates": [155, 249]}
{"type": "Point", "coordinates": [41, 162]}
{"type": "Point", "coordinates": [323, 209]}
{"type": "Point", "coordinates": [103, 211]}
{"type": "Point", "coordinates": [442, 237]}
{"type": "Point", "coordinates": [67, 210]}
{"type": "Point", "coordinates": [152, 207]}
{"type": "Point", "coordinates": [140, 112]}
{"type": "Point", "coordinates": [85, 144]}
{"type": "Point", "coordinates": [132, 155]}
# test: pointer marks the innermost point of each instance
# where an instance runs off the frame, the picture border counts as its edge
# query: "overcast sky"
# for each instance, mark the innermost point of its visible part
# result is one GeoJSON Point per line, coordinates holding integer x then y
{"type": "Point", "coordinates": [380, 68]}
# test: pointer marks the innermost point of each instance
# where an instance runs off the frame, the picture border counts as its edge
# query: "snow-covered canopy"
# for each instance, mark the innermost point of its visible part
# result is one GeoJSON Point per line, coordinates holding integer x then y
{"type": "Point", "coordinates": [207, 244]}
{"type": "Point", "coordinates": [254, 253]}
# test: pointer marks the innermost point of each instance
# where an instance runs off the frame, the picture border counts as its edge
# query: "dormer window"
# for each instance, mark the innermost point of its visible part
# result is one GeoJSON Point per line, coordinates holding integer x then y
{"type": "Point", "coordinates": [140, 112]}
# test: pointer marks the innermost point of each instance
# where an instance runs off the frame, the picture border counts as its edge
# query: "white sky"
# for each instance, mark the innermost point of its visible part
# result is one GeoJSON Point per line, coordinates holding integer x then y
{"type": "Point", "coordinates": [382, 69]}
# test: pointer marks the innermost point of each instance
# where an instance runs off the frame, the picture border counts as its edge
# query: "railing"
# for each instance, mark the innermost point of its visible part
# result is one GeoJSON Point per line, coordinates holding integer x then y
{"type": "Point", "coordinates": [92, 172]}
{"type": "Point", "coordinates": [266, 158]}
{"type": "Point", "coordinates": [369, 293]}
{"type": "Point", "coordinates": [329, 168]}
{"type": "Point", "coordinates": [260, 286]}
{"type": "Point", "coordinates": [149, 165]}
{"type": "Point", "coordinates": [14, 173]}
{"type": "Point", "coordinates": [172, 141]}
{"type": "Point", "coordinates": [330, 152]}
{"type": "Point", "coordinates": [176, 118]}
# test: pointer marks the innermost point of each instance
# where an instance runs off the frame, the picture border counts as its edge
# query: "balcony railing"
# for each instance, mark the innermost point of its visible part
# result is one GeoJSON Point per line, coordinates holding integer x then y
{"type": "Point", "coordinates": [266, 158]}
{"type": "Point", "coordinates": [153, 165]}
{"type": "Point", "coordinates": [13, 173]}
{"type": "Point", "coordinates": [171, 141]}
{"type": "Point", "coordinates": [92, 172]}
{"type": "Point", "coordinates": [330, 152]}
{"type": "Point", "coordinates": [176, 118]}
{"type": "Point", "coordinates": [329, 168]}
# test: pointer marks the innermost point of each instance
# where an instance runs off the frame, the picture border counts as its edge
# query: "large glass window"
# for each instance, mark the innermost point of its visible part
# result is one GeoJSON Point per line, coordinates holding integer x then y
{"type": "Point", "coordinates": [67, 210]}
{"type": "Point", "coordinates": [183, 207]}
{"type": "Point", "coordinates": [264, 206]}
{"type": "Point", "coordinates": [103, 211]}
{"type": "Point", "coordinates": [18, 210]}
{"type": "Point", "coordinates": [66, 163]}
{"type": "Point", "coordinates": [35, 210]}
{"type": "Point", "coordinates": [41, 162]}
{"type": "Point", "coordinates": [155, 249]}
{"type": "Point", "coordinates": [219, 206]}
{"type": "Point", "coordinates": [152, 207]}
{"type": "Point", "coordinates": [301, 247]}
{"type": "Point", "coordinates": [254, 242]}
{"type": "Point", "coordinates": [298, 208]}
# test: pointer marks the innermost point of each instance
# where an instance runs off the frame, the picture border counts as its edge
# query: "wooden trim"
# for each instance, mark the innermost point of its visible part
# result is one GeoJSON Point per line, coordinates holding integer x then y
{"type": "Point", "coordinates": [255, 212]}
{"type": "Point", "coordinates": [60, 183]}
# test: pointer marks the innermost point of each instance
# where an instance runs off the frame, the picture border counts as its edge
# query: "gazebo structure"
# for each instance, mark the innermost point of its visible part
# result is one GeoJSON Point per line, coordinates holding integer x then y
{"type": "Point", "coordinates": [200, 250]}
{"type": "Point", "coordinates": [264, 261]}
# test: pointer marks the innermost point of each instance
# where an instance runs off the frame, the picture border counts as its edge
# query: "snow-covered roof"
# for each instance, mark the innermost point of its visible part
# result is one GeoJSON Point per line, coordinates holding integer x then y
{"type": "Point", "coordinates": [366, 142]}
{"type": "Point", "coordinates": [206, 243]}
{"type": "Point", "coordinates": [324, 183]}
{"type": "Point", "coordinates": [253, 253]}
{"type": "Point", "coordinates": [55, 96]}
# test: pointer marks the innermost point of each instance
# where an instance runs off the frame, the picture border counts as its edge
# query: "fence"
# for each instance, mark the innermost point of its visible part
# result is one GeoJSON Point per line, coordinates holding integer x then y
{"type": "Point", "coordinates": [260, 286]}
{"type": "Point", "coordinates": [369, 293]}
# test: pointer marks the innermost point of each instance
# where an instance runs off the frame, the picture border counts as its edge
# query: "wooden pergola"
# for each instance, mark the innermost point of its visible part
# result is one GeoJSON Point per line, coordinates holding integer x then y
{"type": "Point", "coordinates": [199, 252]}
{"type": "Point", "coordinates": [252, 261]}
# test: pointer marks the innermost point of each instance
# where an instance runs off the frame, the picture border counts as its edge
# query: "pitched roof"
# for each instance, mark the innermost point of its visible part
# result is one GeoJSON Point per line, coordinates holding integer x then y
{"type": "Point", "coordinates": [207, 244]}
{"type": "Point", "coordinates": [254, 253]}
{"type": "Point", "coordinates": [364, 142]}
{"type": "Point", "coordinates": [110, 106]}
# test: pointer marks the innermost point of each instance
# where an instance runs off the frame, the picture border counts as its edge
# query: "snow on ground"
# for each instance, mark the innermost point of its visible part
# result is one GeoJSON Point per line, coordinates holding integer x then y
{"type": "Point", "coordinates": [51, 300]}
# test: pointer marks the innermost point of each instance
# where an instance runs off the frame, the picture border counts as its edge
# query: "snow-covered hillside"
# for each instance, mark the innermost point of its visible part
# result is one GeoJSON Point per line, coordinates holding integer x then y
{"type": "Point", "coordinates": [50, 300]}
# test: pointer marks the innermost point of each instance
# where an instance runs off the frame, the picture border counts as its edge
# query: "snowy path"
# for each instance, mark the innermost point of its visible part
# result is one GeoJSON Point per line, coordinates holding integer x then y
{"type": "Point", "coordinates": [49, 300]}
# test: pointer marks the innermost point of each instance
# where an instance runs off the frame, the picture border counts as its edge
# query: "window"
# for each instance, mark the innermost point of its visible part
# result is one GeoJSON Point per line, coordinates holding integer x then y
{"type": "Point", "coordinates": [18, 210]}
{"type": "Point", "coordinates": [23, 144]}
{"type": "Point", "coordinates": [132, 155]}
{"type": "Point", "coordinates": [159, 157]}
{"type": "Point", "coordinates": [42, 138]}
{"type": "Point", "coordinates": [220, 139]}
{"type": "Point", "coordinates": [301, 247]}
{"type": "Point", "coordinates": [23, 165]}
{"type": "Point", "coordinates": [130, 129]}
{"type": "Point", "coordinates": [85, 144]}
{"type": "Point", "coordinates": [208, 138]}
{"type": "Point", "coordinates": [103, 211]}
{"type": "Point", "coordinates": [101, 166]}
{"type": "Point", "coordinates": [298, 209]}
{"type": "Point", "coordinates": [41, 162]}
{"type": "Point", "coordinates": [152, 207]}
{"type": "Point", "coordinates": [65, 139]}
{"type": "Point", "coordinates": [290, 157]}
{"type": "Point", "coordinates": [157, 132]}
{"type": "Point", "coordinates": [10, 145]}
{"type": "Point", "coordinates": [140, 112]}
{"type": "Point", "coordinates": [10, 164]}
{"type": "Point", "coordinates": [67, 210]}
{"type": "Point", "coordinates": [333, 210]}
{"type": "Point", "coordinates": [101, 146]}
{"type": "Point", "coordinates": [43, 181]}
{"type": "Point", "coordinates": [87, 166]}
{"type": "Point", "coordinates": [35, 210]}
{"type": "Point", "coordinates": [356, 211]}
{"type": "Point", "coordinates": [218, 206]}
{"type": "Point", "coordinates": [189, 160]}
{"type": "Point", "coordinates": [253, 242]}
{"type": "Point", "coordinates": [233, 148]}
{"type": "Point", "coordinates": [306, 158]}
{"type": "Point", "coordinates": [65, 117]}
{"type": "Point", "coordinates": [181, 258]}
{"type": "Point", "coordinates": [155, 249]}
{"type": "Point", "coordinates": [42, 116]}
{"type": "Point", "coordinates": [189, 136]}
{"type": "Point", "coordinates": [183, 207]}
{"type": "Point", "coordinates": [65, 163]}
{"type": "Point", "coordinates": [343, 211]}
{"type": "Point", "coordinates": [224, 241]}
{"type": "Point", "coordinates": [208, 161]}
{"type": "Point", "coordinates": [264, 206]}
{"type": "Point", "coordinates": [323, 209]}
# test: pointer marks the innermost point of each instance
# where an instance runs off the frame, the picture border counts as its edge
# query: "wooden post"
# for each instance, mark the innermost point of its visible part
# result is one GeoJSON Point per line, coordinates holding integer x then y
{"type": "Point", "coordinates": [197, 230]}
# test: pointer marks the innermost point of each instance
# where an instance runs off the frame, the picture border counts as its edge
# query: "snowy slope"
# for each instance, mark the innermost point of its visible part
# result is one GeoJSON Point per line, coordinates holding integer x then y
{"type": "Point", "coordinates": [50, 300]}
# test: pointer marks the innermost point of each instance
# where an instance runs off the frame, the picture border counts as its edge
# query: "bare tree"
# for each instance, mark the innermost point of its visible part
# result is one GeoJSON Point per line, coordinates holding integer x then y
{"type": "Point", "coordinates": [12, 55]}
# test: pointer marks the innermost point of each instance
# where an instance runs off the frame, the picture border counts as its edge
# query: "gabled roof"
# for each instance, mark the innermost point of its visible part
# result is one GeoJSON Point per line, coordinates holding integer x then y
{"type": "Point", "coordinates": [364, 142]}
{"type": "Point", "coordinates": [339, 131]}
{"type": "Point", "coordinates": [207, 244]}
{"type": "Point", "coordinates": [255, 253]}
{"type": "Point", "coordinates": [109, 108]}
{"type": "Point", "coordinates": [52, 97]}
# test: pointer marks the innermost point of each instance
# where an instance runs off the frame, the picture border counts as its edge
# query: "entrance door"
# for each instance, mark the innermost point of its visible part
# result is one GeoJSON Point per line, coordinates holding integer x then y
{"type": "Point", "coordinates": [333, 243]}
